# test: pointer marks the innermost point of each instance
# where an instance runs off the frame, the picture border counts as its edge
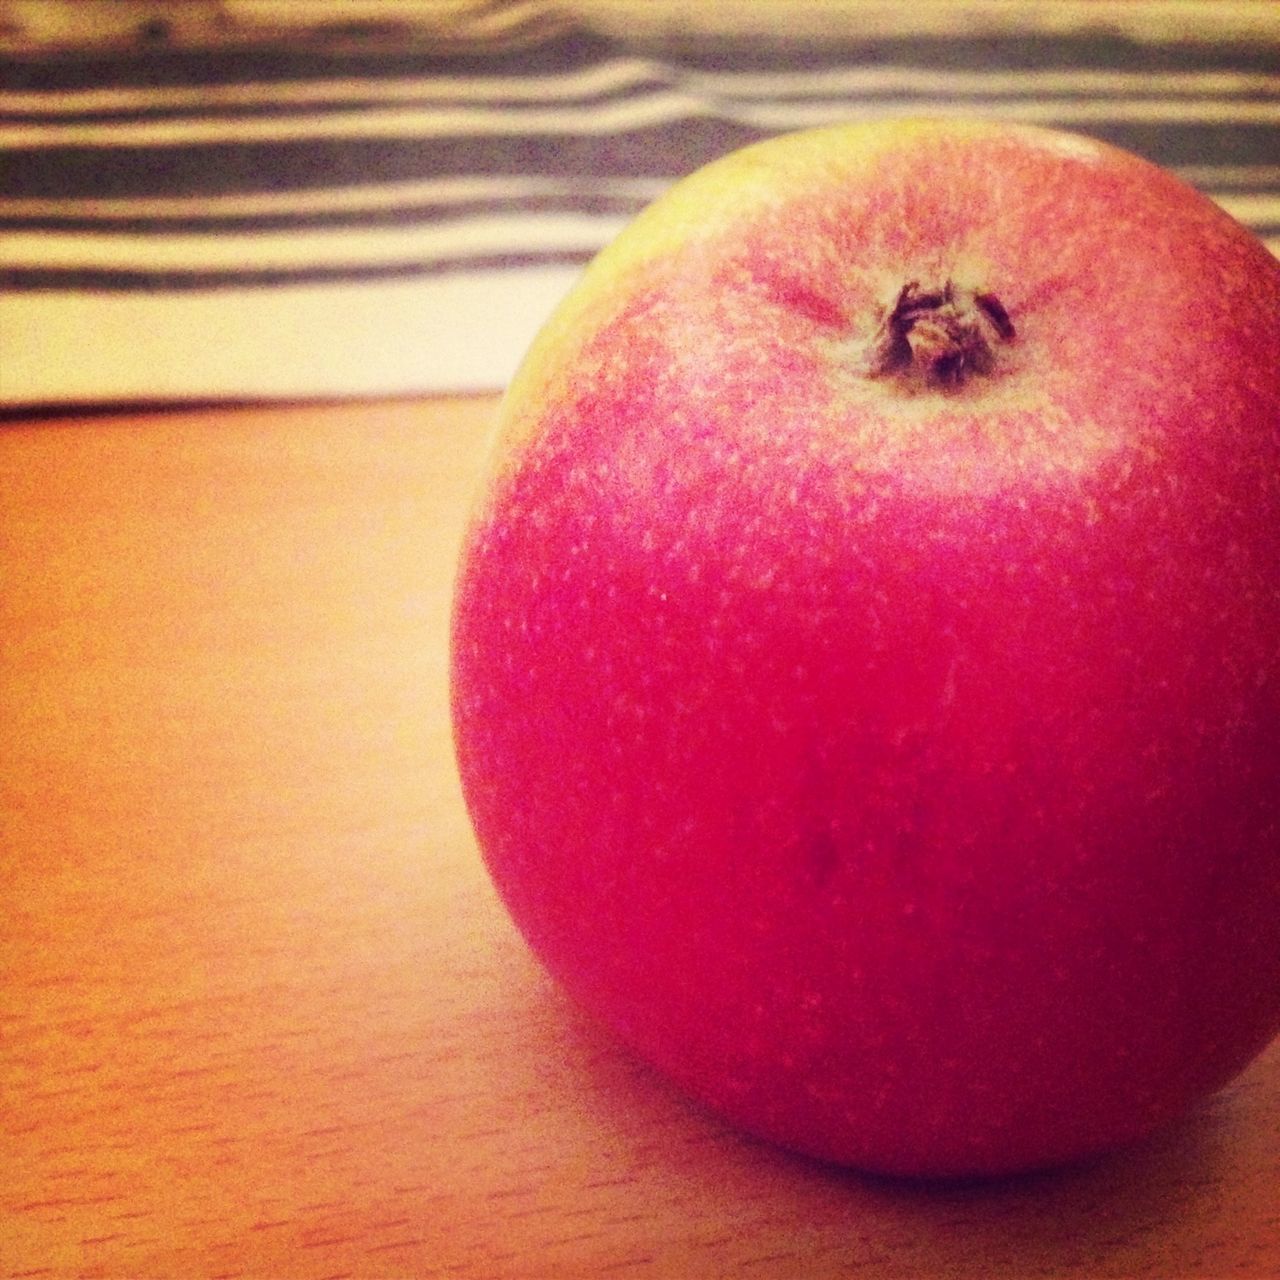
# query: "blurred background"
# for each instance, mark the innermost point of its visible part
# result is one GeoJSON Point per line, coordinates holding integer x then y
{"type": "Point", "coordinates": [294, 199]}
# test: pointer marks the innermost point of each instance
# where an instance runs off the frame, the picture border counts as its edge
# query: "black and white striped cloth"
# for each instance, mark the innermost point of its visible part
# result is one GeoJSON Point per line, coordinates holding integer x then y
{"type": "Point", "coordinates": [339, 211]}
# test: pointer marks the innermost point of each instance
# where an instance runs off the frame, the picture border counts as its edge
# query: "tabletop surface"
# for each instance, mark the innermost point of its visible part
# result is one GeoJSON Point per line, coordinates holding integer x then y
{"type": "Point", "coordinates": [261, 1013]}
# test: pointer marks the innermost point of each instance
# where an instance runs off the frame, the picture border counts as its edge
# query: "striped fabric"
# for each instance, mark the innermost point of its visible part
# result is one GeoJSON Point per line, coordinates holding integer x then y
{"type": "Point", "coordinates": [314, 211]}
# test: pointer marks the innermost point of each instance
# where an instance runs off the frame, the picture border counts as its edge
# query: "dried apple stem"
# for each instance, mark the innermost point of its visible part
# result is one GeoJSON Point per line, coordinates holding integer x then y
{"type": "Point", "coordinates": [940, 337]}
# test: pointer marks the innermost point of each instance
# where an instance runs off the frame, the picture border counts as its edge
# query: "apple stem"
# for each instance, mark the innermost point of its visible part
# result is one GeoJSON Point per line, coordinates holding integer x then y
{"type": "Point", "coordinates": [940, 336]}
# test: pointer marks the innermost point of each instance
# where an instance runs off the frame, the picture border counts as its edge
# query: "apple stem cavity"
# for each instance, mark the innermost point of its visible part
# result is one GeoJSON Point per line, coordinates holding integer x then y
{"type": "Point", "coordinates": [939, 337]}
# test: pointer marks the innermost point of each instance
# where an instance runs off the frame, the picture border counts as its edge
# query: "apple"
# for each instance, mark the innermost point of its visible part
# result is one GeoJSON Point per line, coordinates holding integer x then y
{"type": "Point", "coordinates": [866, 646]}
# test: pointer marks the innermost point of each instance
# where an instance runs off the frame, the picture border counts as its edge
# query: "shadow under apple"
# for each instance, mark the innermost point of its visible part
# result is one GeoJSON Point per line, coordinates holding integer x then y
{"type": "Point", "coordinates": [1110, 1216]}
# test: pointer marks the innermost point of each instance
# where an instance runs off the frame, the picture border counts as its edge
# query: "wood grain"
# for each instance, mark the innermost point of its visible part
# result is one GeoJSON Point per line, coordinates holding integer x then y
{"type": "Point", "coordinates": [261, 1014]}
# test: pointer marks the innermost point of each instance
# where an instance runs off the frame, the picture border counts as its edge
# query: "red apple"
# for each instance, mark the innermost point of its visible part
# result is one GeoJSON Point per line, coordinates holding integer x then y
{"type": "Point", "coordinates": [866, 650]}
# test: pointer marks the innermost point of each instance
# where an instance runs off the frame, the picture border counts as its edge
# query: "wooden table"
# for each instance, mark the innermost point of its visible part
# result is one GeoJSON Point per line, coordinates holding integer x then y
{"type": "Point", "coordinates": [260, 1012]}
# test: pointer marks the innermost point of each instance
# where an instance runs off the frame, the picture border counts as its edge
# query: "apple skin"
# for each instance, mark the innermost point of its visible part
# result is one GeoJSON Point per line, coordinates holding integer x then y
{"type": "Point", "coordinates": [896, 766]}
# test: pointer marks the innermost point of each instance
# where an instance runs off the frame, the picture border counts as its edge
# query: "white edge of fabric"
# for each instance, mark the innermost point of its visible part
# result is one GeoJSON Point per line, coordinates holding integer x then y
{"type": "Point", "coordinates": [455, 333]}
